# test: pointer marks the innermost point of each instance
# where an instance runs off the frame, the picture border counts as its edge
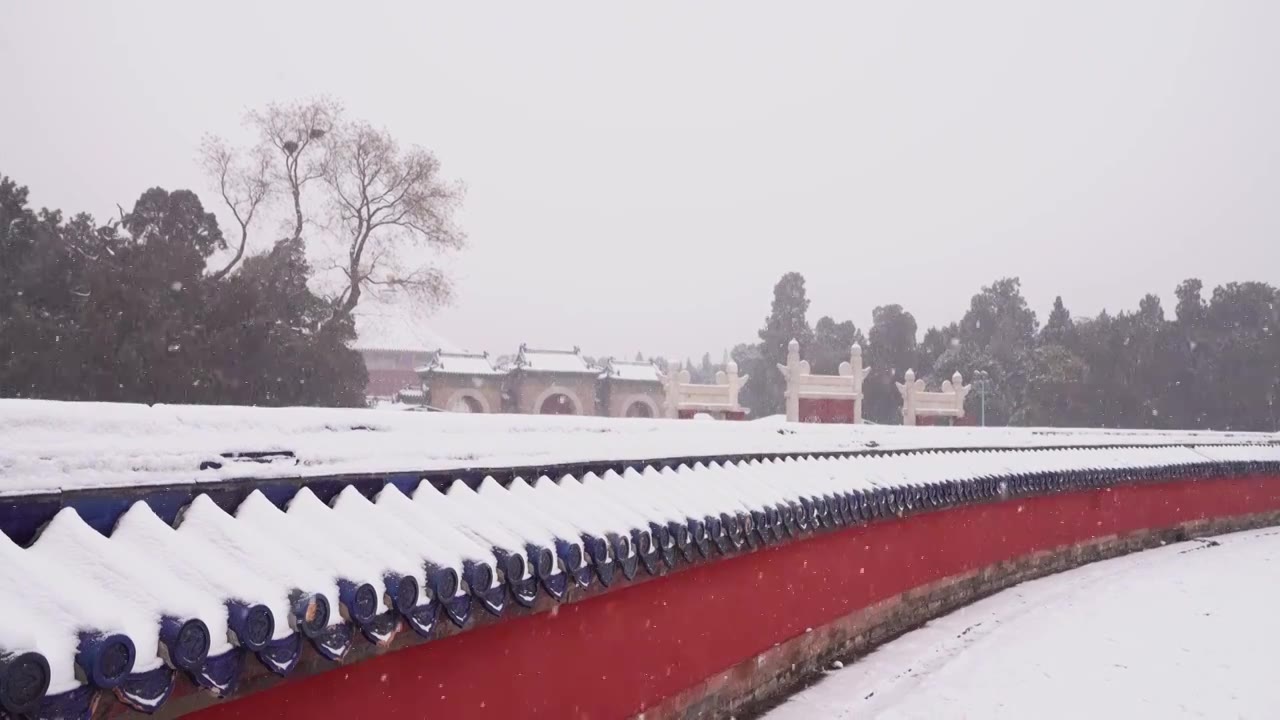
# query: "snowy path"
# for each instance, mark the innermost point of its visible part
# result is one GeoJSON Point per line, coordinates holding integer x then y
{"type": "Point", "coordinates": [1186, 630]}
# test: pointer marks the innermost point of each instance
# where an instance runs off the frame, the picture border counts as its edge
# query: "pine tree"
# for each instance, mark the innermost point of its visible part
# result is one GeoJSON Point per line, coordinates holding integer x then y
{"type": "Point", "coordinates": [270, 342]}
{"type": "Point", "coordinates": [786, 322]}
{"type": "Point", "coordinates": [891, 348]}
{"type": "Point", "coordinates": [747, 356]}
{"type": "Point", "coordinates": [126, 313]}
{"type": "Point", "coordinates": [1191, 307]}
{"type": "Point", "coordinates": [1059, 329]}
{"type": "Point", "coordinates": [997, 335]}
{"type": "Point", "coordinates": [935, 343]}
{"type": "Point", "coordinates": [832, 344]}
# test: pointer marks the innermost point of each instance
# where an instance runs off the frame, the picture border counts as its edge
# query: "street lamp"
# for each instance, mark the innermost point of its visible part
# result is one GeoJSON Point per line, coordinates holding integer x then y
{"type": "Point", "coordinates": [981, 378]}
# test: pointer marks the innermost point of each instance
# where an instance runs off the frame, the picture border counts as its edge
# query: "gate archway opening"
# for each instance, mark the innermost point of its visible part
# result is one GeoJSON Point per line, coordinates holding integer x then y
{"type": "Point", "coordinates": [558, 404]}
{"type": "Point", "coordinates": [463, 403]}
{"type": "Point", "coordinates": [639, 409]}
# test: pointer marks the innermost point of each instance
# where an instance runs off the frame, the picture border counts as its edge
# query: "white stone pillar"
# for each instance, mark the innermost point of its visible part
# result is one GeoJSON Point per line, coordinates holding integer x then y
{"type": "Point", "coordinates": [957, 387]}
{"type": "Point", "coordinates": [859, 374]}
{"type": "Point", "coordinates": [733, 381]}
{"type": "Point", "coordinates": [671, 403]}
{"type": "Point", "coordinates": [908, 390]}
{"type": "Point", "coordinates": [791, 371]}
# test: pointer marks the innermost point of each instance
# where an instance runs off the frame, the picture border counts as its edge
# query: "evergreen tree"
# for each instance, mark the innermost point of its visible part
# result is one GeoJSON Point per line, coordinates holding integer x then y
{"type": "Point", "coordinates": [1054, 382]}
{"type": "Point", "coordinates": [995, 335]}
{"type": "Point", "coordinates": [786, 322]}
{"type": "Point", "coordinates": [269, 342]}
{"type": "Point", "coordinates": [891, 348]}
{"type": "Point", "coordinates": [1101, 346]}
{"type": "Point", "coordinates": [999, 318]}
{"type": "Point", "coordinates": [1244, 346]}
{"type": "Point", "coordinates": [832, 344]}
{"type": "Point", "coordinates": [1058, 329]}
{"type": "Point", "coordinates": [126, 313]}
{"type": "Point", "coordinates": [1191, 307]}
{"type": "Point", "coordinates": [42, 266]}
{"type": "Point", "coordinates": [750, 362]}
{"type": "Point", "coordinates": [935, 343]}
{"type": "Point", "coordinates": [1191, 397]}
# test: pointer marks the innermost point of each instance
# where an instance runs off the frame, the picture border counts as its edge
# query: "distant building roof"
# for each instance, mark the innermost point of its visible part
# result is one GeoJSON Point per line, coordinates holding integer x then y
{"type": "Point", "coordinates": [569, 362]}
{"type": "Point", "coordinates": [383, 327]}
{"type": "Point", "coordinates": [638, 371]}
{"type": "Point", "coordinates": [456, 363]}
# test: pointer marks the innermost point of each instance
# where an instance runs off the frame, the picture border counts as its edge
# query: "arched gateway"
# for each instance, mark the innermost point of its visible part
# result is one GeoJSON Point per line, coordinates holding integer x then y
{"type": "Point", "coordinates": [558, 403]}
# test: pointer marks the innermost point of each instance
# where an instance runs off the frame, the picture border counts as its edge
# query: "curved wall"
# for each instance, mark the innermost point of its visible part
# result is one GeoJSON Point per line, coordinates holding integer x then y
{"type": "Point", "coordinates": [720, 637]}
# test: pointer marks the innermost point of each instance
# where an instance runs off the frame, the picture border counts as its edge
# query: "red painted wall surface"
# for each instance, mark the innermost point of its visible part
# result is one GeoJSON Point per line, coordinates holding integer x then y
{"type": "Point", "coordinates": [724, 415]}
{"type": "Point", "coordinates": [826, 410]}
{"type": "Point", "coordinates": [614, 655]}
{"type": "Point", "coordinates": [385, 383]}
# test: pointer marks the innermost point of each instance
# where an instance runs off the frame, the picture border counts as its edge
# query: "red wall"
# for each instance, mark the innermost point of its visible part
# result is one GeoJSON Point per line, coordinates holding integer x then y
{"type": "Point", "coordinates": [724, 415]}
{"type": "Point", "coordinates": [615, 654]}
{"type": "Point", "coordinates": [826, 410]}
{"type": "Point", "coordinates": [385, 383]}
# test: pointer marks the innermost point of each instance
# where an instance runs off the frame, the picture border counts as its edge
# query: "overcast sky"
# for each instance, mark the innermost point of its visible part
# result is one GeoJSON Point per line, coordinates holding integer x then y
{"type": "Point", "coordinates": [640, 174]}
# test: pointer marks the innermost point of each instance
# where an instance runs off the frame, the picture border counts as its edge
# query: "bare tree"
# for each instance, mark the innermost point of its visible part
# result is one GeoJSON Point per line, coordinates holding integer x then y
{"type": "Point", "coordinates": [293, 133]}
{"type": "Point", "coordinates": [287, 156]}
{"type": "Point", "coordinates": [392, 210]}
{"type": "Point", "coordinates": [244, 187]}
{"type": "Point", "coordinates": [387, 206]}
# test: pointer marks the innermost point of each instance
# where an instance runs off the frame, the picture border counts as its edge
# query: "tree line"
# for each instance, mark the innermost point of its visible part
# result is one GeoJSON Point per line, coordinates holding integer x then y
{"type": "Point", "coordinates": [1215, 364]}
{"type": "Point", "coordinates": [159, 305]}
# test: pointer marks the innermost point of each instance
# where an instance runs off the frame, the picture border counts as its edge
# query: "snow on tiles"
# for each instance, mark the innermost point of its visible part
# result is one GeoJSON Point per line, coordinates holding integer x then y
{"type": "Point", "coordinates": [51, 446]}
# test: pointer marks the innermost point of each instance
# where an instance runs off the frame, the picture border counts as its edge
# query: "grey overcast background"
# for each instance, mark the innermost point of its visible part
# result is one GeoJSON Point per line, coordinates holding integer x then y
{"type": "Point", "coordinates": [640, 174]}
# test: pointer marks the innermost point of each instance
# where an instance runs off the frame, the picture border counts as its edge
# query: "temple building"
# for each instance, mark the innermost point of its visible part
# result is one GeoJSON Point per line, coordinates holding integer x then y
{"type": "Point", "coordinates": [393, 348]}
{"type": "Point", "coordinates": [462, 382]}
{"type": "Point", "coordinates": [539, 382]}
{"type": "Point", "coordinates": [551, 382]}
{"type": "Point", "coordinates": [409, 363]}
{"type": "Point", "coordinates": [630, 389]}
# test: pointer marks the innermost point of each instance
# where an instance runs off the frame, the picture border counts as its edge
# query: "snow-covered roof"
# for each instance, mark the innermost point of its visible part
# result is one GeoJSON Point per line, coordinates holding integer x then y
{"type": "Point", "coordinates": [121, 596]}
{"type": "Point", "coordinates": [450, 363]}
{"type": "Point", "coordinates": [396, 329]}
{"type": "Point", "coordinates": [553, 361]}
{"type": "Point", "coordinates": [637, 371]}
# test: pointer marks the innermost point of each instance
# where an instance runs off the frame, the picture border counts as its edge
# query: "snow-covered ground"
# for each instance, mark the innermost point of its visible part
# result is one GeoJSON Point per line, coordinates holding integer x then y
{"type": "Point", "coordinates": [1180, 631]}
{"type": "Point", "coordinates": [48, 446]}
